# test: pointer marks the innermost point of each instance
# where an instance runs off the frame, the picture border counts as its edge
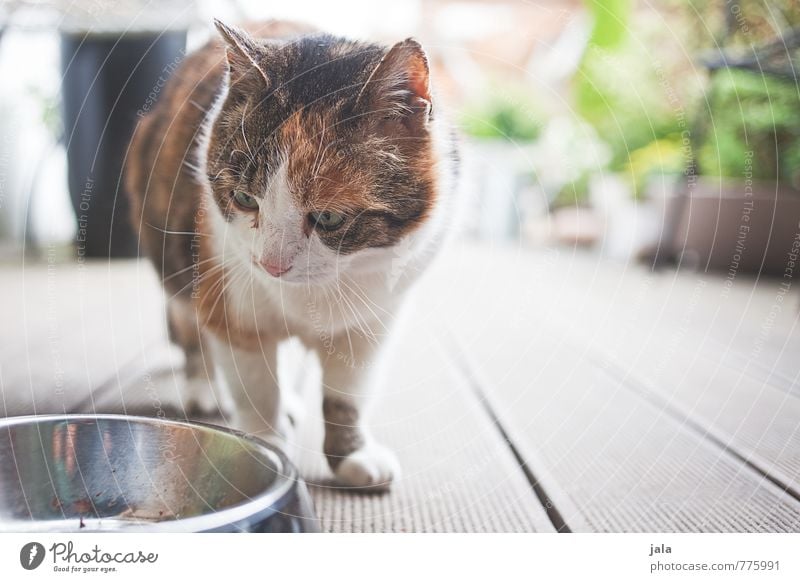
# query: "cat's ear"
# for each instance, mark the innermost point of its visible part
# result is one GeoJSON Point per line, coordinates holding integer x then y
{"type": "Point", "coordinates": [244, 55]}
{"type": "Point", "coordinates": [399, 87]}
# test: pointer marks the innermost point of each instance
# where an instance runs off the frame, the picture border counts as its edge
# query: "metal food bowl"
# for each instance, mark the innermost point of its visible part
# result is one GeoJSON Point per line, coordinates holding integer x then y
{"type": "Point", "coordinates": [110, 473]}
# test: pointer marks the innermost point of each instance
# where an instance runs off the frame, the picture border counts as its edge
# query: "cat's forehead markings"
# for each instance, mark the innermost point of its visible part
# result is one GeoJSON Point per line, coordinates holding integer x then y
{"type": "Point", "coordinates": [278, 184]}
{"type": "Point", "coordinates": [292, 127]}
{"type": "Point", "coordinates": [315, 175]}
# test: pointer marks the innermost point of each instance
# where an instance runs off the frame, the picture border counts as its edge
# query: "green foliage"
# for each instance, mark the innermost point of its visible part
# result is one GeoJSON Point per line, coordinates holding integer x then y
{"type": "Point", "coordinates": [574, 193]}
{"type": "Point", "coordinates": [622, 96]}
{"type": "Point", "coordinates": [754, 113]}
{"type": "Point", "coordinates": [511, 115]}
{"type": "Point", "coordinates": [641, 102]}
{"type": "Point", "coordinates": [594, 87]}
{"type": "Point", "coordinates": [662, 156]}
{"type": "Point", "coordinates": [610, 22]}
{"type": "Point", "coordinates": [626, 92]}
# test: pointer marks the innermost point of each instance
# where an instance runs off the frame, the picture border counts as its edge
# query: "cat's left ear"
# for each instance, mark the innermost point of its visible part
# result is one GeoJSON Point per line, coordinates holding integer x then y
{"type": "Point", "coordinates": [399, 87]}
{"type": "Point", "coordinates": [244, 56]}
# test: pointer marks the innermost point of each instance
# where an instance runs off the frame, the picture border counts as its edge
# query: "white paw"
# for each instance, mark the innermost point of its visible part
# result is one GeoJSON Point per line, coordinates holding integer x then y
{"type": "Point", "coordinates": [372, 467]}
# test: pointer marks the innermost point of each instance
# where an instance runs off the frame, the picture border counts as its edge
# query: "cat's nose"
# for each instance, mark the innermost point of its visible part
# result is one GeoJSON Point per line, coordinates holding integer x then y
{"type": "Point", "coordinates": [276, 269]}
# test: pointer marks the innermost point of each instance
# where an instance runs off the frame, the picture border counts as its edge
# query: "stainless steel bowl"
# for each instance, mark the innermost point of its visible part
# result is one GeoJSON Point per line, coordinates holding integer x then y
{"type": "Point", "coordinates": [108, 472]}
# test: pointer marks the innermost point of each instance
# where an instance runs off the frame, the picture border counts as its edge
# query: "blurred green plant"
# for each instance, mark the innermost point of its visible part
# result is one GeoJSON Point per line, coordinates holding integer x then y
{"type": "Point", "coordinates": [622, 97]}
{"type": "Point", "coordinates": [657, 158]}
{"type": "Point", "coordinates": [640, 104]}
{"type": "Point", "coordinates": [575, 193]}
{"type": "Point", "coordinates": [511, 114]}
{"type": "Point", "coordinates": [619, 88]}
{"type": "Point", "coordinates": [754, 113]}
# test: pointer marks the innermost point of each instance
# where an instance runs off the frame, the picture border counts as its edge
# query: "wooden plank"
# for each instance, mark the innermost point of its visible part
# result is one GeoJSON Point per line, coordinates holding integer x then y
{"type": "Point", "coordinates": [626, 461]}
{"type": "Point", "coordinates": [33, 368]}
{"type": "Point", "coordinates": [669, 345]}
{"type": "Point", "coordinates": [755, 420]}
{"type": "Point", "coordinates": [70, 329]}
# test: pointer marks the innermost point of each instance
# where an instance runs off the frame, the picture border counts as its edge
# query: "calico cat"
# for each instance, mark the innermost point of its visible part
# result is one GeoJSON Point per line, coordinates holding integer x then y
{"type": "Point", "coordinates": [292, 184]}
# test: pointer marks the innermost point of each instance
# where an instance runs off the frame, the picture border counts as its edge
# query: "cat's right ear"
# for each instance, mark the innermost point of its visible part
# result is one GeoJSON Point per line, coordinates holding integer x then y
{"type": "Point", "coordinates": [244, 57]}
{"type": "Point", "coordinates": [399, 87]}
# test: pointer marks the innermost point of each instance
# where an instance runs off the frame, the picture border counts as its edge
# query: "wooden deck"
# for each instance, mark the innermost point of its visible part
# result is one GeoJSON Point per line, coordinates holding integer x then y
{"type": "Point", "coordinates": [534, 391]}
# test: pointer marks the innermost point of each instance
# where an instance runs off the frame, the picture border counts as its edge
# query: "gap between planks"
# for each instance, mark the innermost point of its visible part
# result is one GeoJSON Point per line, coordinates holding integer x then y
{"type": "Point", "coordinates": [544, 485]}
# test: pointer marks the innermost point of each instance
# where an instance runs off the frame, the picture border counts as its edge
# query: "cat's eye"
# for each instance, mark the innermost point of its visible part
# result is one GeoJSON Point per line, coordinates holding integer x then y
{"type": "Point", "coordinates": [326, 220]}
{"type": "Point", "coordinates": [244, 200]}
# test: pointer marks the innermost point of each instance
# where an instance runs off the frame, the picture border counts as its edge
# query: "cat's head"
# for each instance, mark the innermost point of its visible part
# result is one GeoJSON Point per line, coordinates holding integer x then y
{"type": "Point", "coordinates": [322, 151]}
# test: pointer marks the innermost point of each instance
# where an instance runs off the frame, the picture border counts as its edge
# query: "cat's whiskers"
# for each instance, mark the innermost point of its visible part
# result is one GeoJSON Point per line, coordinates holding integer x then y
{"type": "Point", "coordinates": [365, 326]}
{"type": "Point", "coordinates": [215, 271]}
{"type": "Point", "coordinates": [354, 307]}
{"type": "Point", "coordinates": [330, 312]}
{"type": "Point", "coordinates": [194, 265]}
{"type": "Point", "coordinates": [363, 295]}
{"type": "Point", "coordinates": [331, 301]}
{"type": "Point", "coordinates": [187, 233]}
{"type": "Point", "coordinates": [235, 278]}
{"type": "Point", "coordinates": [368, 334]}
{"type": "Point", "coordinates": [196, 281]}
{"type": "Point", "coordinates": [347, 330]}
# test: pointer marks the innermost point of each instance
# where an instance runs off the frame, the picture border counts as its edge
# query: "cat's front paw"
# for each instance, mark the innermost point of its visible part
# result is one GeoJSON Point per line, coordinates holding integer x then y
{"type": "Point", "coordinates": [371, 467]}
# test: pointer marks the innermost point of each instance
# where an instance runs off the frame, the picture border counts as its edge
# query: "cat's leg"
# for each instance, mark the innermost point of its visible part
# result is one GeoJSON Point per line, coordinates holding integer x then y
{"type": "Point", "coordinates": [294, 362]}
{"type": "Point", "coordinates": [251, 376]}
{"type": "Point", "coordinates": [197, 392]}
{"type": "Point", "coordinates": [349, 376]}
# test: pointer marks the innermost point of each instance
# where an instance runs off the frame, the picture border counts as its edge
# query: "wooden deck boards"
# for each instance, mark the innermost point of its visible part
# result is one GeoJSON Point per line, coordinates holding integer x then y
{"type": "Point", "coordinates": [603, 378]}
{"type": "Point", "coordinates": [634, 401]}
{"type": "Point", "coordinates": [70, 330]}
{"type": "Point", "coordinates": [626, 463]}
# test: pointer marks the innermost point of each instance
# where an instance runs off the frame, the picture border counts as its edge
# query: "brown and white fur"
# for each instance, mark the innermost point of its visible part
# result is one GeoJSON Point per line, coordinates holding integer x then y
{"type": "Point", "coordinates": [252, 141]}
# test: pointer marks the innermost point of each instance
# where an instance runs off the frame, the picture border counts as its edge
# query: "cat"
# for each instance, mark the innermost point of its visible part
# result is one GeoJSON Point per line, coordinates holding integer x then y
{"type": "Point", "coordinates": [290, 183]}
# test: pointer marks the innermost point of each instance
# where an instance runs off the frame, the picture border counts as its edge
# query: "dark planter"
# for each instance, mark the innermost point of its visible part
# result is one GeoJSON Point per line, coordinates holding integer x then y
{"type": "Point", "coordinates": [728, 225]}
{"type": "Point", "coordinates": [108, 81]}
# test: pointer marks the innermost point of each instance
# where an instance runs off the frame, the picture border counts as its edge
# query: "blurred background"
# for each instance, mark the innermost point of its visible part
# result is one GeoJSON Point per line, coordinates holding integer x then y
{"type": "Point", "coordinates": [640, 129]}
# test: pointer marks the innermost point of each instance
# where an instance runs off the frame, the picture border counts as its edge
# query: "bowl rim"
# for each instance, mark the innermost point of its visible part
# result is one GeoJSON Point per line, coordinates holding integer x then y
{"type": "Point", "coordinates": [238, 517]}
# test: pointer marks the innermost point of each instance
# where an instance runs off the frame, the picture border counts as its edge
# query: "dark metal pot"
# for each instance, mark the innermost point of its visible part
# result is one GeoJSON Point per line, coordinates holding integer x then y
{"type": "Point", "coordinates": [108, 82]}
